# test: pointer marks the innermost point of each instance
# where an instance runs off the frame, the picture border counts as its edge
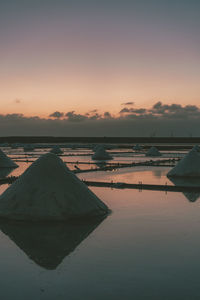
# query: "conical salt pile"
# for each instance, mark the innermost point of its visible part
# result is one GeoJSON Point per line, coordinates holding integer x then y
{"type": "Point", "coordinates": [196, 147]}
{"type": "Point", "coordinates": [153, 151]}
{"type": "Point", "coordinates": [6, 162]}
{"type": "Point", "coordinates": [101, 154]}
{"type": "Point", "coordinates": [48, 190]}
{"type": "Point", "coordinates": [188, 166]}
{"type": "Point", "coordinates": [137, 147]}
{"type": "Point", "coordinates": [29, 147]}
{"type": "Point", "coordinates": [98, 146]}
{"type": "Point", "coordinates": [56, 150]}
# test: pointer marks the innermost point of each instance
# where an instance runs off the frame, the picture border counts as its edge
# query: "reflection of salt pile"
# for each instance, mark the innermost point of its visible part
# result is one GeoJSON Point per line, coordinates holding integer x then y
{"type": "Point", "coordinates": [191, 181]}
{"type": "Point", "coordinates": [6, 162]}
{"type": "Point", "coordinates": [153, 151]}
{"type": "Point", "coordinates": [188, 166]}
{"type": "Point", "coordinates": [196, 147]}
{"type": "Point", "coordinates": [101, 154]}
{"type": "Point", "coordinates": [137, 147]}
{"type": "Point", "coordinates": [48, 190]}
{"type": "Point", "coordinates": [4, 172]}
{"type": "Point", "coordinates": [158, 173]}
{"type": "Point", "coordinates": [56, 150]}
{"type": "Point", "coordinates": [48, 244]}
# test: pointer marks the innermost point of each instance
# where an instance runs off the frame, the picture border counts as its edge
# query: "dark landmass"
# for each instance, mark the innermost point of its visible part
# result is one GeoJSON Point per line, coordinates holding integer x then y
{"type": "Point", "coordinates": [115, 140]}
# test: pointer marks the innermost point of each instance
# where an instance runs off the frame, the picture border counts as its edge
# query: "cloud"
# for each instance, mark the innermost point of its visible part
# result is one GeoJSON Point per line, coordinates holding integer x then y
{"type": "Point", "coordinates": [17, 101]}
{"type": "Point", "coordinates": [161, 119]}
{"type": "Point", "coordinates": [128, 103]}
{"type": "Point", "coordinates": [107, 115]}
{"type": "Point", "coordinates": [165, 111]}
{"type": "Point", "coordinates": [125, 110]}
{"type": "Point", "coordinates": [57, 115]}
{"type": "Point", "coordinates": [175, 111]}
{"type": "Point", "coordinates": [96, 116]}
{"type": "Point", "coordinates": [132, 110]}
{"type": "Point", "coordinates": [73, 117]}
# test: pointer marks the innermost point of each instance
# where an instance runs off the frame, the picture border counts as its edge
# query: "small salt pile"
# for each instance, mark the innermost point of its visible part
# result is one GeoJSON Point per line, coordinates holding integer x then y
{"type": "Point", "coordinates": [29, 147]}
{"type": "Point", "coordinates": [6, 162]}
{"type": "Point", "coordinates": [48, 190]}
{"type": "Point", "coordinates": [101, 154]}
{"type": "Point", "coordinates": [188, 166]}
{"type": "Point", "coordinates": [96, 147]}
{"type": "Point", "coordinates": [196, 147]}
{"type": "Point", "coordinates": [137, 147]}
{"type": "Point", "coordinates": [56, 150]}
{"type": "Point", "coordinates": [153, 151]}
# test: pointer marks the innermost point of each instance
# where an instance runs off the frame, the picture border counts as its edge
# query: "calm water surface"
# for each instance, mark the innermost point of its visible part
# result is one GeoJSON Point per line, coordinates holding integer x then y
{"type": "Point", "coordinates": [148, 248]}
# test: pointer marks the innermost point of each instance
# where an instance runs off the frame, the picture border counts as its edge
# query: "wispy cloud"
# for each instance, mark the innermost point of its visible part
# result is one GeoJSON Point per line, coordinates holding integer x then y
{"type": "Point", "coordinates": [57, 115]}
{"type": "Point", "coordinates": [128, 103]}
{"type": "Point", "coordinates": [17, 101]}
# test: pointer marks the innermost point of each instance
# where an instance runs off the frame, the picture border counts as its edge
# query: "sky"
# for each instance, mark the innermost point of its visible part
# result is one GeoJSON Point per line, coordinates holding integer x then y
{"type": "Point", "coordinates": [83, 56]}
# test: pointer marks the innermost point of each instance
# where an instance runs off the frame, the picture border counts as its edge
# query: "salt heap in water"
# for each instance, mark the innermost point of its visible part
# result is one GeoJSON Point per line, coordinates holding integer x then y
{"type": "Point", "coordinates": [98, 146]}
{"type": "Point", "coordinates": [29, 147]}
{"type": "Point", "coordinates": [56, 150]}
{"type": "Point", "coordinates": [6, 162]}
{"type": "Point", "coordinates": [101, 154]}
{"type": "Point", "coordinates": [196, 147]}
{"type": "Point", "coordinates": [188, 166]}
{"type": "Point", "coordinates": [153, 151]}
{"type": "Point", "coordinates": [48, 190]}
{"type": "Point", "coordinates": [137, 147]}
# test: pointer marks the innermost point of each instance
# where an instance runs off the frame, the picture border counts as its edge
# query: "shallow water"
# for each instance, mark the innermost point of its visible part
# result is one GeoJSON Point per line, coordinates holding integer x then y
{"type": "Point", "coordinates": [153, 175]}
{"type": "Point", "coordinates": [148, 248]}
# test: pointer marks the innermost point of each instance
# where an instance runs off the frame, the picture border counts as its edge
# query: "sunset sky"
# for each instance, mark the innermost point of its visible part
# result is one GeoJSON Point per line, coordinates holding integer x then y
{"type": "Point", "coordinates": [84, 60]}
{"type": "Point", "coordinates": [83, 55]}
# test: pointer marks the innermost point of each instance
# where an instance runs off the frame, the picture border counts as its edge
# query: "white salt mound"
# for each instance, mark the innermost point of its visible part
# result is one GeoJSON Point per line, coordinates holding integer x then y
{"type": "Point", "coordinates": [56, 150]}
{"type": "Point", "coordinates": [29, 147]}
{"type": "Point", "coordinates": [137, 147]}
{"type": "Point", "coordinates": [196, 147]}
{"type": "Point", "coordinates": [6, 162]}
{"type": "Point", "coordinates": [153, 151]}
{"type": "Point", "coordinates": [96, 147]}
{"type": "Point", "coordinates": [188, 166]}
{"type": "Point", "coordinates": [101, 154]}
{"type": "Point", "coordinates": [48, 190]}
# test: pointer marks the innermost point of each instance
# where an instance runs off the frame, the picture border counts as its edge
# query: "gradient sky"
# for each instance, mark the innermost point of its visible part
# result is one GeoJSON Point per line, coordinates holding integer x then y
{"type": "Point", "coordinates": [82, 55]}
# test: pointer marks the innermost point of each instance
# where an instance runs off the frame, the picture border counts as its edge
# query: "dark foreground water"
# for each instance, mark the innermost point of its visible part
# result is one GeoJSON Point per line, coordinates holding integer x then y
{"type": "Point", "coordinates": [148, 248]}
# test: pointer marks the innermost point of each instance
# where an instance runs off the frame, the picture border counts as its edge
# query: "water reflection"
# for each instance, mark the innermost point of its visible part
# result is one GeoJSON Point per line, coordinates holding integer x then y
{"type": "Point", "coordinates": [4, 172]}
{"type": "Point", "coordinates": [47, 244]}
{"type": "Point", "coordinates": [191, 196]}
{"type": "Point", "coordinates": [157, 173]}
{"type": "Point", "coordinates": [101, 164]}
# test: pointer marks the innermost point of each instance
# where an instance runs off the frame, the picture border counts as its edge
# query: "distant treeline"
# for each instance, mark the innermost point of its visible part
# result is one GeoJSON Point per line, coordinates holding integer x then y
{"type": "Point", "coordinates": [115, 140]}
